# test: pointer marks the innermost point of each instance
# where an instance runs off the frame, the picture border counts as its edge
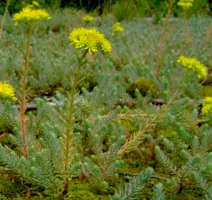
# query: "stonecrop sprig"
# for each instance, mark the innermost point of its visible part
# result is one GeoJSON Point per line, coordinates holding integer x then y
{"type": "Point", "coordinates": [207, 106]}
{"type": "Point", "coordinates": [185, 4]}
{"type": "Point", "coordinates": [88, 19]}
{"type": "Point", "coordinates": [117, 28]}
{"type": "Point", "coordinates": [192, 64]}
{"type": "Point", "coordinates": [90, 39]}
{"type": "Point", "coordinates": [30, 15]}
{"type": "Point", "coordinates": [7, 91]}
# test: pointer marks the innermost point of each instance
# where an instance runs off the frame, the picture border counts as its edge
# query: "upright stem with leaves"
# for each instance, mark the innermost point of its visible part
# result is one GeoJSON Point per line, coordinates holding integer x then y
{"type": "Point", "coordinates": [69, 120]}
{"type": "Point", "coordinates": [27, 17]}
{"type": "Point", "coordinates": [95, 41]}
{"type": "Point", "coordinates": [23, 100]}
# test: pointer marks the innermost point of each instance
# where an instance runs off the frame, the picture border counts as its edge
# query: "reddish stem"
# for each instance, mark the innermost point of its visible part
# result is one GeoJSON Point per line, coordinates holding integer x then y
{"type": "Point", "coordinates": [23, 100]}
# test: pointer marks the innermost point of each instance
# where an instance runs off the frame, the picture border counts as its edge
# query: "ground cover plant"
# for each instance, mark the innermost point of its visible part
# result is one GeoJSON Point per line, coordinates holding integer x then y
{"type": "Point", "coordinates": [95, 108]}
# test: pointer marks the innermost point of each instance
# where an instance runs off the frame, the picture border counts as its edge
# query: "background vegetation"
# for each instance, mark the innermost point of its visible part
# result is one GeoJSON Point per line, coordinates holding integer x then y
{"type": "Point", "coordinates": [130, 8]}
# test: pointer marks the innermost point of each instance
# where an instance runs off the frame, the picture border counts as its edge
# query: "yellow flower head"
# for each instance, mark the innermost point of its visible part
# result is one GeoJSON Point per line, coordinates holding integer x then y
{"type": "Point", "coordinates": [117, 28]}
{"type": "Point", "coordinates": [7, 91]}
{"type": "Point", "coordinates": [207, 106]}
{"type": "Point", "coordinates": [88, 19]}
{"type": "Point", "coordinates": [186, 4]}
{"type": "Point", "coordinates": [89, 39]}
{"type": "Point", "coordinates": [192, 64]}
{"type": "Point", "coordinates": [30, 15]}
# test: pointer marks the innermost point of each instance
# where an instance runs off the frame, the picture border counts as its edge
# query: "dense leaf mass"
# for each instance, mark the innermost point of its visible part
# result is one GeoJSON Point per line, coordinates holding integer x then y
{"type": "Point", "coordinates": [135, 124]}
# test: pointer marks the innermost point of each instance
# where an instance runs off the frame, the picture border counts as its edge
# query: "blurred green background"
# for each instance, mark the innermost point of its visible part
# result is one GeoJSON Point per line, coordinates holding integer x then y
{"type": "Point", "coordinates": [122, 9]}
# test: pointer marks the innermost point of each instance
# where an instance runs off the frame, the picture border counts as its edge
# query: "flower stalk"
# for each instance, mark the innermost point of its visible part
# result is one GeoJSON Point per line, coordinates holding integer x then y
{"type": "Point", "coordinates": [23, 100]}
{"type": "Point", "coordinates": [186, 28]}
{"type": "Point", "coordinates": [27, 17]}
{"type": "Point", "coordinates": [186, 5]}
{"type": "Point", "coordinates": [70, 121]}
{"type": "Point", "coordinates": [163, 40]}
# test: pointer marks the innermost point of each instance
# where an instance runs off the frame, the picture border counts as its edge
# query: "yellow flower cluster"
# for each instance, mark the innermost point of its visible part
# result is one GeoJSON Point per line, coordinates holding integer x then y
{"type": "Point", "coordinates": [207, 106]}
{"type": "Point", "coordinates": [89, 39]}
{"type": "Point", "coordinates": [30, 15]}
{"type": "Point", "coordinates": [87, 19]}
{"type": "Point", "coordinates": [186, 4]}
{"type": "Point", "coordinates": [7, 91]}
{"type": "Point", "coordinates": [192, 64]}
{"type": "Point", "coordinates": [117, 28]}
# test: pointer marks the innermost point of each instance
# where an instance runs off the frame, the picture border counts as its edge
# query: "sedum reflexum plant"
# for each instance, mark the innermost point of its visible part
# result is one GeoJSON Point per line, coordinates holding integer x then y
{"type": "Point", "coordinates": [117, 29]}
{"type": "Point", "coordinates": [28, 17]}
{"type": "Point", "coordinates": [89, 41]}
{"type": "Point", "coordinates": [88, 19]}
{"type": "Point", "coordinates": [134, 188]}
{"type": "Point", "coordinates": [192, 166]}
{"type": "Point", "coordinates": [192, 64]}
{"type": "Point", "coordinates": [52, 148]}
{"type": "Point", "coordinates": [207, 106]}
{"type": "Point", "coordinates": [7, 91]}
{"type": "Point", "coordinates": [185, 4]}
{"type": "Point", "coordinates": [207, 109]}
